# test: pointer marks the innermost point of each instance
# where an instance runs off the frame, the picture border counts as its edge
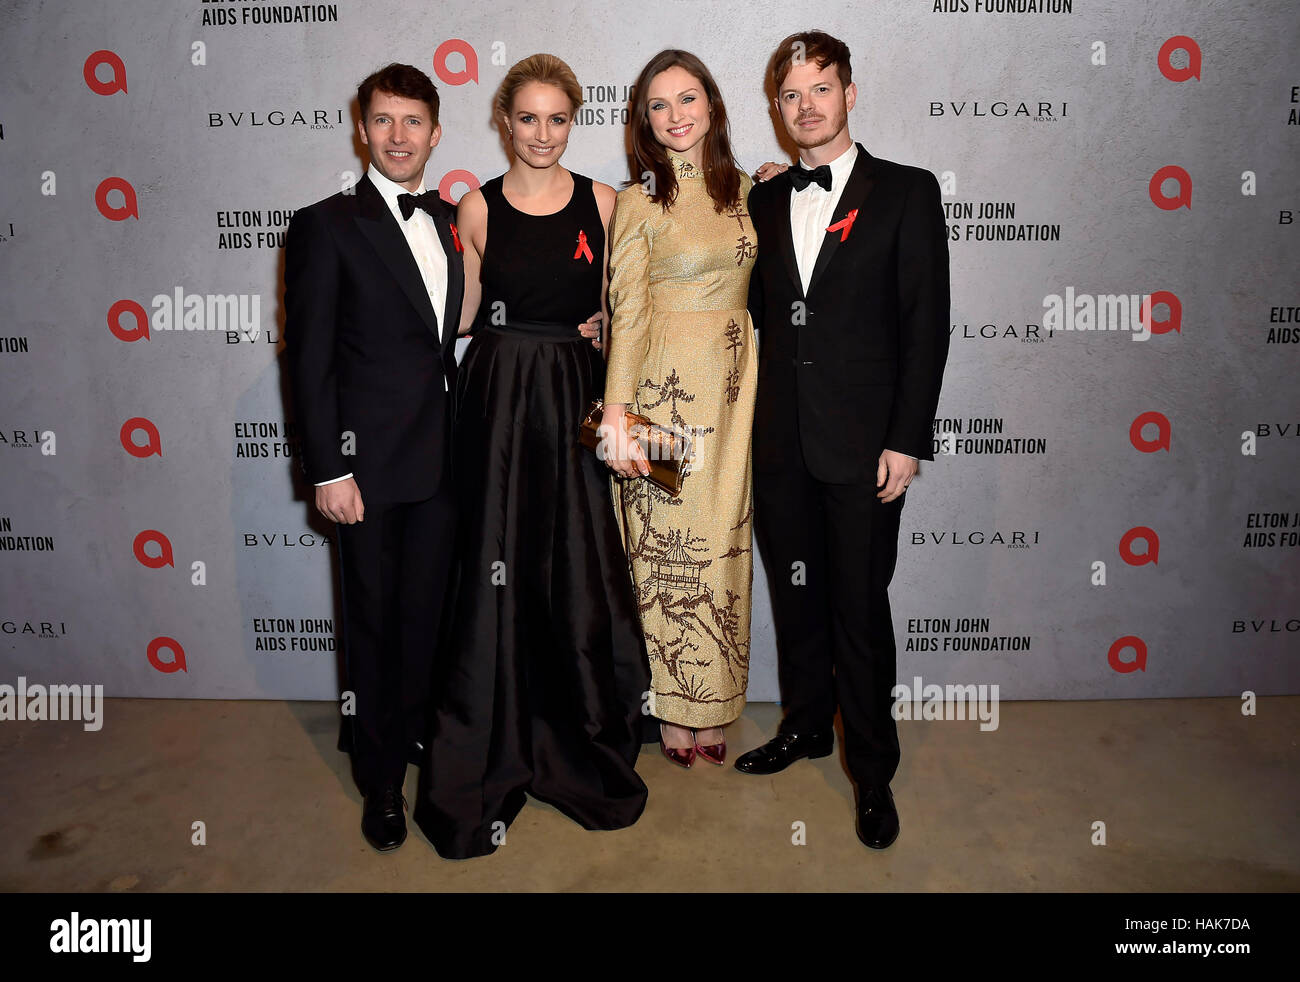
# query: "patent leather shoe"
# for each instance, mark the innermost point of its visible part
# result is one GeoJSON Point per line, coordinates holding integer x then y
{"type": "Point", "coordinates": [383, 818]}
{"type": "Point", "coordinates": [877, 818]}
{"type": "Point", "coordinates": [783, 750]}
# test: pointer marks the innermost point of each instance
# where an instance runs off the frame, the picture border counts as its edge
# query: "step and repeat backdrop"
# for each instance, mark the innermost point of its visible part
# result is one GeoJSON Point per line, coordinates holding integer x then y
{"type": "Point", "coordinates": [1113, 509]}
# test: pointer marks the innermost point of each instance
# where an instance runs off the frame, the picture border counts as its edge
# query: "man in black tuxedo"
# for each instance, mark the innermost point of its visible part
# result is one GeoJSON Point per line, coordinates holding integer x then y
{"type": "Point", "coordinates": [373, 285]}
{"type": "Point", "coordinates": [850, 295]}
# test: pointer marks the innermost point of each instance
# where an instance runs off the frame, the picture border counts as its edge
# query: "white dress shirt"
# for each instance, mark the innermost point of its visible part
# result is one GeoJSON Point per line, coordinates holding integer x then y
{"type": "Point", "coordinates": [422, 237]}
{"type": "Point", "coordinates": [812, 211]}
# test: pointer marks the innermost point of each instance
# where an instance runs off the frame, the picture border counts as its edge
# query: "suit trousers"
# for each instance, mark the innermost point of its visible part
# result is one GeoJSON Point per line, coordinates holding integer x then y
{"type": "Point", "coordinates": [395, 569]}
{"type": "Point", "coordinates": [830, 551]}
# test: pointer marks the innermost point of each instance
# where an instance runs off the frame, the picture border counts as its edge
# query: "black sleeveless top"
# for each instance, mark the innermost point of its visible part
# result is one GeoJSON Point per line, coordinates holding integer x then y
{"type": "Point", "coordinates": [541, 270]}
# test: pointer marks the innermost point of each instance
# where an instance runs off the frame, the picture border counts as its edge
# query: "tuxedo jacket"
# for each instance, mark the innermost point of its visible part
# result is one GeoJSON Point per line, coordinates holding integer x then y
{"type": "Point", "coordinates": [854, 367]}
{"type": "Point", "coordinates": [367, 353]}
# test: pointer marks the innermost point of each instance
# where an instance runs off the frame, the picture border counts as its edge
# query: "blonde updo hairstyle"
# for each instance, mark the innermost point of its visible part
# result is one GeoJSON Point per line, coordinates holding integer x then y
{"type": "Point", "coordinates": [544, 68]}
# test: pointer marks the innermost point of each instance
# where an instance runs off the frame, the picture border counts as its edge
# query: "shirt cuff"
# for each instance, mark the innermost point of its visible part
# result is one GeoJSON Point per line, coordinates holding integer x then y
{"type": "Point", "coordinates": [901, 454]}
{"type": "Point", "coordinates": [333, 480]}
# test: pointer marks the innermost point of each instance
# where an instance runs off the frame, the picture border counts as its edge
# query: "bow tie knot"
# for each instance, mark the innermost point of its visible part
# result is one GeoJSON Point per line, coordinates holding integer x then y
{"type": "Point", "coordinates": [409, 202]}
{"type": "Point", "coordinates": [801, 177]}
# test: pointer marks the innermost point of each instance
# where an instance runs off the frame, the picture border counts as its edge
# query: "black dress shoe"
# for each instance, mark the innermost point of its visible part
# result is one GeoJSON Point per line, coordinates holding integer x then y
{"type": "Point", "coordinates": [415, 753]}
{"type": "Point", "coordinates": [383, 819]}
{"type": "Point", "coordinates": [877, 818]}
{"type": "Point", "coordinates": [783, 750]}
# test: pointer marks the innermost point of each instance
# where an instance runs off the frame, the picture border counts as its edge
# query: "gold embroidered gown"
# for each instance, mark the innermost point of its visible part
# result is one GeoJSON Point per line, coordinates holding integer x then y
{"type": "Point", "coordinates": [682, 351]}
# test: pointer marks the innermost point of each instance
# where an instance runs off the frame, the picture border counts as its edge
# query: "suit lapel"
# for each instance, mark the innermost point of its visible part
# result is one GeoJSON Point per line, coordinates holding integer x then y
{"type": "Point", "coordinates": [859, 185]}
{"type": "Point", "coordinates": [380, 227]}
{"type": "Point", "coordinates": [786, 243]}
{"type": "Point", "coordinates": [455, 276]}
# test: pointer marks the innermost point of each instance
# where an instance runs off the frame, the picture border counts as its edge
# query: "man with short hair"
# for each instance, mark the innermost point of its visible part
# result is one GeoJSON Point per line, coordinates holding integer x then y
{"type": "Point", "coordinates": [850, 296]}
{"type": "Point", "coordinates": [373, 285]}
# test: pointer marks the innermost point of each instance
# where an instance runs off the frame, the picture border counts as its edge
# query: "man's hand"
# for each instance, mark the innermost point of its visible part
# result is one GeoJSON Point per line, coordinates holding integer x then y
{"type": "Point", "coordinates": [592, 328]}
{"type": "Point", "coordinates": [341, 502]}
{"type": "Point", "coordinates": [895, 472]}
{"type": "Point", "coordinates": [770, 170]}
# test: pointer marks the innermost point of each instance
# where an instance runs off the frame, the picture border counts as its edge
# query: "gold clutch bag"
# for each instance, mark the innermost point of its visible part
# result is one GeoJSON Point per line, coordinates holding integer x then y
{"type": "Point", "coordinates": [667, 449]}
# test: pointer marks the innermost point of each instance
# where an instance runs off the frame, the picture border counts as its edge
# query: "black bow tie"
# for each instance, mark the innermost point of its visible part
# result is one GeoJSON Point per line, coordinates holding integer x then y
{"type": "Point", "coordinates": [409, 202]}
{"type": "Point", "coordinates": [801, 177]}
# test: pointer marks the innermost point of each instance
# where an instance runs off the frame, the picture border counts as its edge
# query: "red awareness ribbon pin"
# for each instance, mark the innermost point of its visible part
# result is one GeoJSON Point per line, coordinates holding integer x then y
{"type": "Point", "coordinates": [455, 237]}
{"type": "Point", "coordinates": [583, 248]}
{"type": "Point", "coordinates": [844, 225]}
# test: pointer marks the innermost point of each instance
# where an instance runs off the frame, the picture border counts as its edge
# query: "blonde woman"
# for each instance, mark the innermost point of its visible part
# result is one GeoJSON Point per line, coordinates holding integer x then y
{"type": "Point", "coordinates": [540, 691]}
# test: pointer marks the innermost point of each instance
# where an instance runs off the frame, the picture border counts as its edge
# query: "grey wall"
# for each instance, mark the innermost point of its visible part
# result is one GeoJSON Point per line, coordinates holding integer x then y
{"type": "Point", "coordinates": [1217, 616]}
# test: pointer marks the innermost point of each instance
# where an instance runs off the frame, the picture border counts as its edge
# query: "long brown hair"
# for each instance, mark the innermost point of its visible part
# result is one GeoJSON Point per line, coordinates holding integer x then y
{"type": "Point", "coordinates": [721, 176]}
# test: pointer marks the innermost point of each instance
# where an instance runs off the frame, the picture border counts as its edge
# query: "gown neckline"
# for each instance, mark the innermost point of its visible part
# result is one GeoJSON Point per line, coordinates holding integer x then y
{"type": "Point", "coordinates": [573, 194]}
{"type": "Point", "coordinates": [682, 167]}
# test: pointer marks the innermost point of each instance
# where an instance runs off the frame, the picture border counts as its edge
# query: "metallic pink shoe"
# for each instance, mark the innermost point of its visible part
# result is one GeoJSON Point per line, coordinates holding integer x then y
{"type": "Point", "coordinates": [685, 758]}
{"type": "Point", "coordinates": [714, 753]}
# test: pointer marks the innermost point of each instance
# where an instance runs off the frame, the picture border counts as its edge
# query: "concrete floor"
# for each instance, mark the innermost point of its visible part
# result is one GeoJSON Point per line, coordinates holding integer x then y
{"type": "Point", "coordinates": [1195, 797]}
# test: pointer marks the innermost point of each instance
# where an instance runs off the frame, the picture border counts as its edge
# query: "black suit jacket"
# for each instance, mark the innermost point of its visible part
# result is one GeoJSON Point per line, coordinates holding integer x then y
{"type": "Point", "coordinates": [366, 351]}
{"type": "Point", "coordinates": [854, 367]}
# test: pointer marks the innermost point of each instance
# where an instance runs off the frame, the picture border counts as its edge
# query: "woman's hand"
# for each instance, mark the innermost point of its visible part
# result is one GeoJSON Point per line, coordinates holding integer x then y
{"type": "Point", "coordinates": [617, 449]}
{"type": "Point", "coordinates": [593, 327]}
{"type": "Point", "coordinates": [770, 170]}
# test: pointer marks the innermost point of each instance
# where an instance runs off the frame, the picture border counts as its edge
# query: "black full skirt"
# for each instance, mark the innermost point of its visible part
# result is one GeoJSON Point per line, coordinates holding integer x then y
{"type": "Point", "coordinates": [540, 686]}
